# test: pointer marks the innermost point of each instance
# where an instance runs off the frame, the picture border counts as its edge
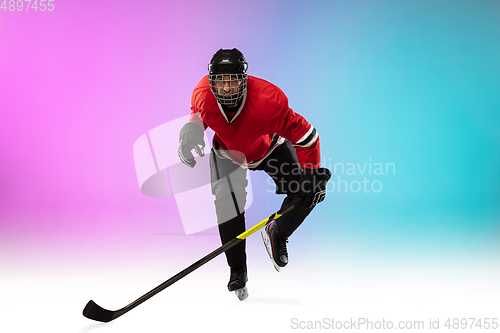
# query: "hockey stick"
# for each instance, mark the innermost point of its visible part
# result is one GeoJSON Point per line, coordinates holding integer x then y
{"type": "Point", "coordinates": [95, 312]}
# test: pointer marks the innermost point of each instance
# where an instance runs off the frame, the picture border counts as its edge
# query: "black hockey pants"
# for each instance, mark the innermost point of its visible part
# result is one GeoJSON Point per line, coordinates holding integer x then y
{"type": "Point", "coordinates": [229, 183]}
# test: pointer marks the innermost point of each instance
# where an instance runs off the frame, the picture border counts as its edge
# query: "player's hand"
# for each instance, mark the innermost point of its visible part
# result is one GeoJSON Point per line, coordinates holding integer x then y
{"type": "Point", "coordinates": [191, 137]}
{"type": "Point", "coordinates": [313, 186]}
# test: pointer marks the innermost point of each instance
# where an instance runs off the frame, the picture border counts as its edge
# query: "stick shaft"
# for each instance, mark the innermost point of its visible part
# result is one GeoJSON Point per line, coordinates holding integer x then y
{"type": "Point", "coordinates": [95, 312]}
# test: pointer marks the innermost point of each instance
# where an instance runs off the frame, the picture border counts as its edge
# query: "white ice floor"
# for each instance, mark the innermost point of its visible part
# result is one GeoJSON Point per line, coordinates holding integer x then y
{"type": "Point", "coordinates": [306, 296]}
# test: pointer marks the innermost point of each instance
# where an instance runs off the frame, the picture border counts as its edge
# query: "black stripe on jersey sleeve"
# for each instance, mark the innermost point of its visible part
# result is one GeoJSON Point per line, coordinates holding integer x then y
{"type": "Point", "coordinates": [307, 140]}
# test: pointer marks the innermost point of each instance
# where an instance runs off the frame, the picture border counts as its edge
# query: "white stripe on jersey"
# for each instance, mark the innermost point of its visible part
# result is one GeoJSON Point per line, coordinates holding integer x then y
{"type": "Point", "coordinates": [306, 135]}
{"type": "Point", "coordinates": [312, 141]}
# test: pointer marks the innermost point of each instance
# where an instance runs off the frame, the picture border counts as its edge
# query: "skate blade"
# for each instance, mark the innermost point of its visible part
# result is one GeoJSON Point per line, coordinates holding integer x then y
{"type": "Point", "coordinates": [267, 243]}
{"type": "Point", "coordinates": [242, 293]}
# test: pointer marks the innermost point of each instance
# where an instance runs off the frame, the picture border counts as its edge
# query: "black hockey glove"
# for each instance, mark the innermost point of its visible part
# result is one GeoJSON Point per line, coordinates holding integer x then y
{"type": "Point", "coordinates": [191, 136]}
{"type": "Point", "coordinates": [313, 186]}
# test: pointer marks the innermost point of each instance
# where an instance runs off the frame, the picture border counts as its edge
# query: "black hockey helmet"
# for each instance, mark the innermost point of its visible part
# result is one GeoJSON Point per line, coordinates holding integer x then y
{"type": "Point", "coordinates": [228, 61]}
{"type": "Point", "coordinates": [227, 76]}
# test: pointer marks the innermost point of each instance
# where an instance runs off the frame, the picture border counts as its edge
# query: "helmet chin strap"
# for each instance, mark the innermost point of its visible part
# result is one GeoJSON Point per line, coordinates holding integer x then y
{"type": "Point", "coordinates": [231, 108]}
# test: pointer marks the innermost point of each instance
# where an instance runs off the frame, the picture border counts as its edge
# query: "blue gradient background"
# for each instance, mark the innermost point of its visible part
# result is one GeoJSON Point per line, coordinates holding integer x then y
{"type": "Point", "coordinates": [414, 83]}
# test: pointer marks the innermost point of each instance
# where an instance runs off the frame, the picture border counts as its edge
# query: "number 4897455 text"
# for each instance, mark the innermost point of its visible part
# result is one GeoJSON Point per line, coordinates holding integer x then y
{"type": "Point", "coordinates": [32, 5]}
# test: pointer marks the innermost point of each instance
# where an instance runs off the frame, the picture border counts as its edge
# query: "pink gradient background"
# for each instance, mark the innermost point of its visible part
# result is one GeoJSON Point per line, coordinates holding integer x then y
{"type": "Point", "coordinates": [78, 86]}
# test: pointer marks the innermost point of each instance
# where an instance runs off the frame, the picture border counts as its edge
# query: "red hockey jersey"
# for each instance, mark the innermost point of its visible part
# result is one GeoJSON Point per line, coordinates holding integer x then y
{"type": "Point", "coordinates": [264, 115]}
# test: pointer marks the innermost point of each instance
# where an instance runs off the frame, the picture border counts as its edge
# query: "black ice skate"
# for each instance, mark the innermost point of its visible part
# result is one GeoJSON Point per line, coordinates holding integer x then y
{"type": "Point", "coordinates": [237, 282]}
{"type": "Point", "coordinates": [275, 245]}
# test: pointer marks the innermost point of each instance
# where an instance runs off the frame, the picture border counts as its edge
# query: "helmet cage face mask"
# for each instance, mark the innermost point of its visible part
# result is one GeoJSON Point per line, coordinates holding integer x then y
{"type": "Point", "coordinates": [227, 76]}
{"type": "Point", "coordinates": [228, 88]}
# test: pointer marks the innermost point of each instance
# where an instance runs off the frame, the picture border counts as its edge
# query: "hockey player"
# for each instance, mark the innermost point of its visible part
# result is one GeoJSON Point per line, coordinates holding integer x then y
{"type": "Point", "coordinates": [254, 129]}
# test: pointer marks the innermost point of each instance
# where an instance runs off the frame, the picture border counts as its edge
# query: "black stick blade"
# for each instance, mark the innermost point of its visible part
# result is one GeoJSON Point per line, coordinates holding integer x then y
{"type": "Point", "coordinates": [95, 312]}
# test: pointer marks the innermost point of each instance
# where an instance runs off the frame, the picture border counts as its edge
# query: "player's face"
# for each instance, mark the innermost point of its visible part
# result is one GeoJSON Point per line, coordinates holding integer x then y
{"type": "Point", "coordinates": [227, 85]}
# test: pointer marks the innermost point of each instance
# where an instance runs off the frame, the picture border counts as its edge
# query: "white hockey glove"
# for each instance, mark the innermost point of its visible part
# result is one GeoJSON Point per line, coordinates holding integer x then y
{"type": "Point", "coordinates": [191, 137]}
{"type": "Point", "coordinates": [313, 186]}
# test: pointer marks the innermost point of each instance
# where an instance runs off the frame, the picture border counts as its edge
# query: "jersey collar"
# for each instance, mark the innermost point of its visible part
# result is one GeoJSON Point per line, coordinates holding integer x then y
{"type": "Point", "coordinates": [237, 112]}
